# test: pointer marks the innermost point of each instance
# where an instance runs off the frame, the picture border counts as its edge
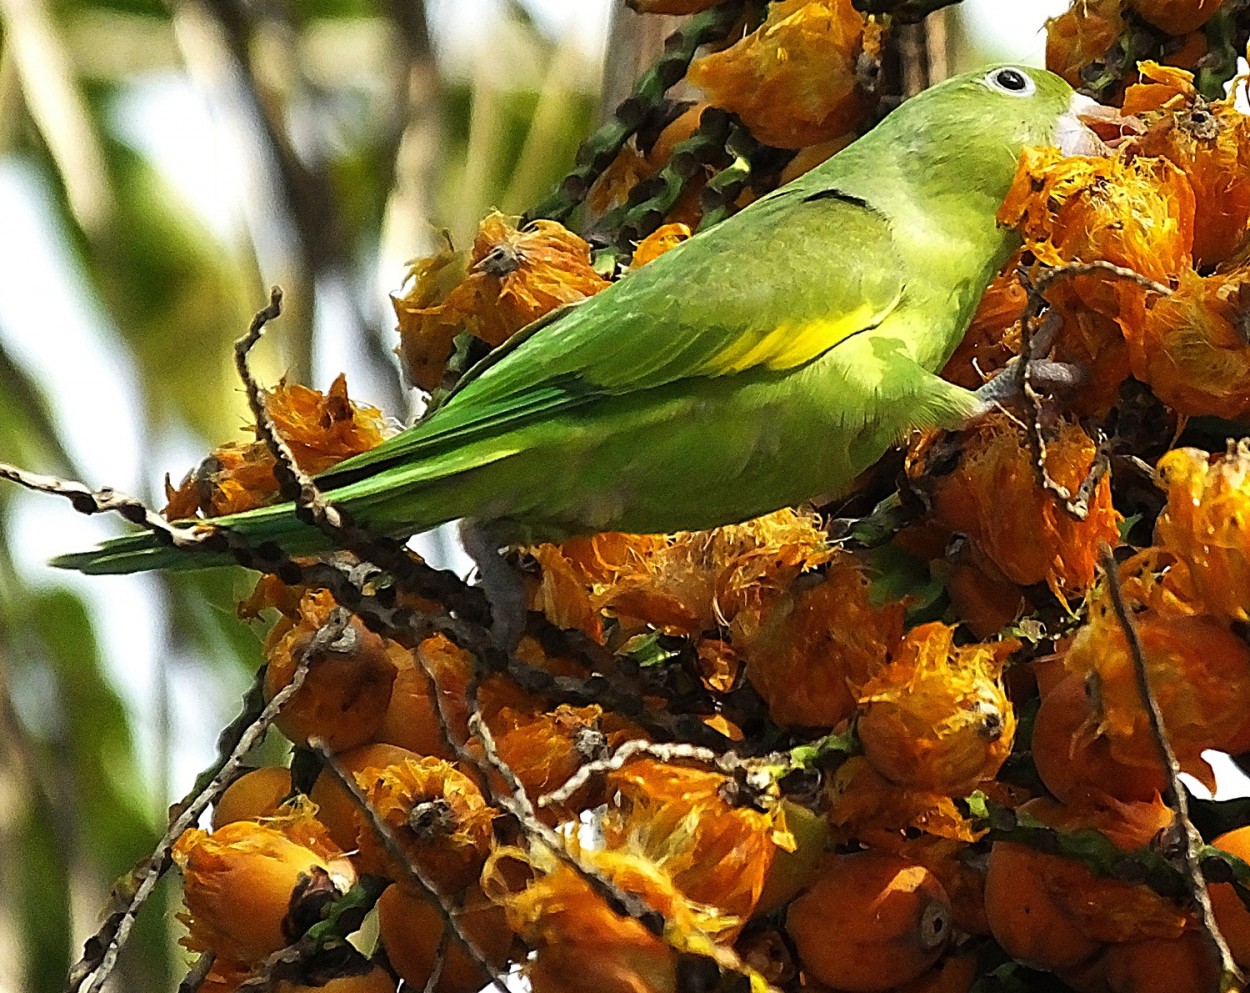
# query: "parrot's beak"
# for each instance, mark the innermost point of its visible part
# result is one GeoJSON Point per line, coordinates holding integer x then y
{"type": "Point", "coordinates": [1089, 128]}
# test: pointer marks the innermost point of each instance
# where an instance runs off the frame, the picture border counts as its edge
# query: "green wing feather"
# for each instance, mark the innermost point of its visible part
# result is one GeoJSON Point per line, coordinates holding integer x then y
{"type": "Point", "coordinates": [756, 292]}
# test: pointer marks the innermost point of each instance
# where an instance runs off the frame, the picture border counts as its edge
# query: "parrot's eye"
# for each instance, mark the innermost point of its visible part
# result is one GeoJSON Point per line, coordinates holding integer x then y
{"type": "Point", "coordinates": [1011, 81]}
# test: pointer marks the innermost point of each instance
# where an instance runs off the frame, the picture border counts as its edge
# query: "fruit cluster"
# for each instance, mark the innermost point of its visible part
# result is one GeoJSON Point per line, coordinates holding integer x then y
{"type": "Point", "coordinates": [896, 745]}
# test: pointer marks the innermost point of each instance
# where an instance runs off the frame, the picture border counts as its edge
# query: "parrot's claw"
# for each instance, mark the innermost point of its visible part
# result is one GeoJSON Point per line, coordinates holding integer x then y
{"type": "Point", "coordinates": [504, 586]}
{"type": "Point", "coordinates": [1061, 379]}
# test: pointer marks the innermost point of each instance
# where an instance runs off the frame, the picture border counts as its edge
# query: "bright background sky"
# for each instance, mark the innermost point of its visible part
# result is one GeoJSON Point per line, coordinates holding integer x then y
{"type": "Point", "coordinates": [90, 384]}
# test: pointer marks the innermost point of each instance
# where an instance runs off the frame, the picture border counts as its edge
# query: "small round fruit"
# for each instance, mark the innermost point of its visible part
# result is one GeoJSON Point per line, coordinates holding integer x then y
{"type": "Point", "coordinates": [1075, 766]}
{"type": "Point", "coordinates": [1230, 913]}
{"type": "Point", "coordinates": [1024, 918]}
{"type": "Point", "coordinates": [412, 931]}
{"type": "Point", "coordinates": [335, 809]}
{"type": "Point", "coordinates": [253, 795]}
{"type": "Point", "coordinates": [870, 922]}
{"type": "Point", "coordinates": [1179, 965]}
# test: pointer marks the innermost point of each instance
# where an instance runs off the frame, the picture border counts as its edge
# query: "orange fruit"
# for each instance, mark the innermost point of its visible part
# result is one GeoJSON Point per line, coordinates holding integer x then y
{"type": "Point", "coordinates": [253, 795]}
{"type": "Point", "coordinates": [1024, 918]}
{"type": "Point", "coordinates": [376, 980]}
{"type": "Point", "coordinates": [1075, 766]}
{"type": "Point", "coordinates": [335, 808]}
{"type": "Point", "coordinates": [1179, 965]}
{"type": "Point", "coordinates": [411, 929]}
{"type": "Point", "coordinates": [346, 690]}
{"type": "Point", "coordinates": [870, 922]}
{"type": "Point", "coordinates": [1230, 913]}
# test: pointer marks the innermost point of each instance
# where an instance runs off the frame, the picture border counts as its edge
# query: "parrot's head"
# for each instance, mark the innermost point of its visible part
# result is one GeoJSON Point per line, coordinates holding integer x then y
{"type": "Point", "coordinates": [967, 133]}
{"type": "Point", "coordinates": [1020, 106]}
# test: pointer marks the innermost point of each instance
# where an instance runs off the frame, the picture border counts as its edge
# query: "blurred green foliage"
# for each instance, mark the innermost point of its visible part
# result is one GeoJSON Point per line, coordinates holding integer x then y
{"type": "Point", "coordinates": [81, 802]}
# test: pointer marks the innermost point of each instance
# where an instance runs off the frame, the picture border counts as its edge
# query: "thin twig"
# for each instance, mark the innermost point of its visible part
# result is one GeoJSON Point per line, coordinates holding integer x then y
{"type": "Point", "coordinates": [617, 760]}
{"type": "Point", "coordinates": [312, 505]}
{"type": "Point", "coordinates": [618, 901]}
{"type": "Point", "coordinates": [196, 975]}
{"type": "Point", "coordinates": [296, 484]}
{"type": "Point", "coordinates": [440, 961]}
{"type": "Point", "coordinates": [519, 806]}
{"type": "Point", "coordinates": [411, 872]}
{"type": "Point", "coordinates": [104, 501]}
{"type": "Point", "coordinates": [100, 954]}
{"type": "Point", "coordinates": [1035, 289]}
{"type": "Point", "coordinates": [1178, 799]}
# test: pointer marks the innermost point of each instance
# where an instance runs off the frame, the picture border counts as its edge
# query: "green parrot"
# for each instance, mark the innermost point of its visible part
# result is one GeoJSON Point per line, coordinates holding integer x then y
{"type": "Point", "coordinates": [763, 363]}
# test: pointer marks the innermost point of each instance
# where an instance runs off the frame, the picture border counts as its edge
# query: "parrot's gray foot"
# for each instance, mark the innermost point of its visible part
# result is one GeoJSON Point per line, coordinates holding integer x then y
{"type": "Point", "coordinates": [504, 586]}
{"type": "Point", "coordinates": [1061, 379]}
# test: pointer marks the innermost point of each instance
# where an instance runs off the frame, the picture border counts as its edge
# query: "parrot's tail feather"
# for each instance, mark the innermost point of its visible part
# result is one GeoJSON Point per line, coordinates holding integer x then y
{"type": "Point", "coordinates": [138, 553]}
{"type": "Point", "coordinates": [146, 550]}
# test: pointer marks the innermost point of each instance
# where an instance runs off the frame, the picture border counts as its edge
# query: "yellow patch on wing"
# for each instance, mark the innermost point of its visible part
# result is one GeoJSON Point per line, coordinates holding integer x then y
{"type": "Point", "coordinates": [788, 345]}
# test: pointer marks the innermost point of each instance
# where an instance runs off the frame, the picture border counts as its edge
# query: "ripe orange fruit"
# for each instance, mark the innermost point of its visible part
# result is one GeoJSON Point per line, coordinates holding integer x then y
{"type": "Point", "coordinates": [1075, 766]}
{"type": "Point", "coordinates": [870, 922]}
{"type": "Point", "coordinates": [1179, 965]}
{"type": "Point", "coordinates": [1230, 913]}
{"type": "Point", "coordinates": [412, 930]}
{"type": "Point", "coordinates": [348, 686]}
{"type": "Point", "coordinates": [335, 808]}
{"type": "Point", "coordinates": [954, 974]}
{"type": "Point", "coordinates": [253, 795]}
{"type": "Point", "coordinates": [1024, 918]}
{"type": "Point", "coordinates": [376, 980]}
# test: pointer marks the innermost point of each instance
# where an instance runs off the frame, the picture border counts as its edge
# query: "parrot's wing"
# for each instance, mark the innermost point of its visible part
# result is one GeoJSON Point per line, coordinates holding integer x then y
{"type": "Point", "coordinates": [770, 289]}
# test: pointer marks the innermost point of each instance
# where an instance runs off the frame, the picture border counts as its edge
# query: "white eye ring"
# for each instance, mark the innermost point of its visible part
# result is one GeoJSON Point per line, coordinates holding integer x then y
{"type": "Point", "coordinates": [1011, 81]}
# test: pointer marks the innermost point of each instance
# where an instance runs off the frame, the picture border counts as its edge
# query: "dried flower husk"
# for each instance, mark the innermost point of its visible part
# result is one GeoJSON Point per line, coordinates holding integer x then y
{"type": "Point", "coordinates": [718, 855]}
{"type": "Point", "coordinates": [580, 943]}
{"type": "Point", "coordinates": [1192, 347]}
{"type": "Point", "coordinates": [684, 583]}
{"type": "Point", "coordinates": [347, 689]}
{"type": "Point", "coordinates": [321, 430]}
{"type": "Point", "coordinates": [1161, 87]}
{"type": "Point", "coordinates": [816, 644]}
{"type": "Point", "coordinates": [1206, 525]}
{"type": "Point", "coordinates": [1210, 143]}
{"type": "Point", "coordinates": [511, 278]}
{"type": "Point", "coordinates": [994, 497]}
{"type": "Point", "coordinates": [1199, 671]}
{"type": "Point", "coordinates": [864, 806]}
{"type": "Point", "coordinates": [1133, 212]}
{"type": "Point", "coordinates": [1137, 213]}
{"type": "Point", "coordinates": [242, 882]}
{"type": "Point", "coordinates": [793, 80]}
{"type": "Point", "coordinates": [937, 717]}
{"type": "Point", "coordinates": [1176, 17]}
{"type": "Point", "coordinates": [1081, 35]}
{"type": "Point", "coordinates": [439, 816]}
